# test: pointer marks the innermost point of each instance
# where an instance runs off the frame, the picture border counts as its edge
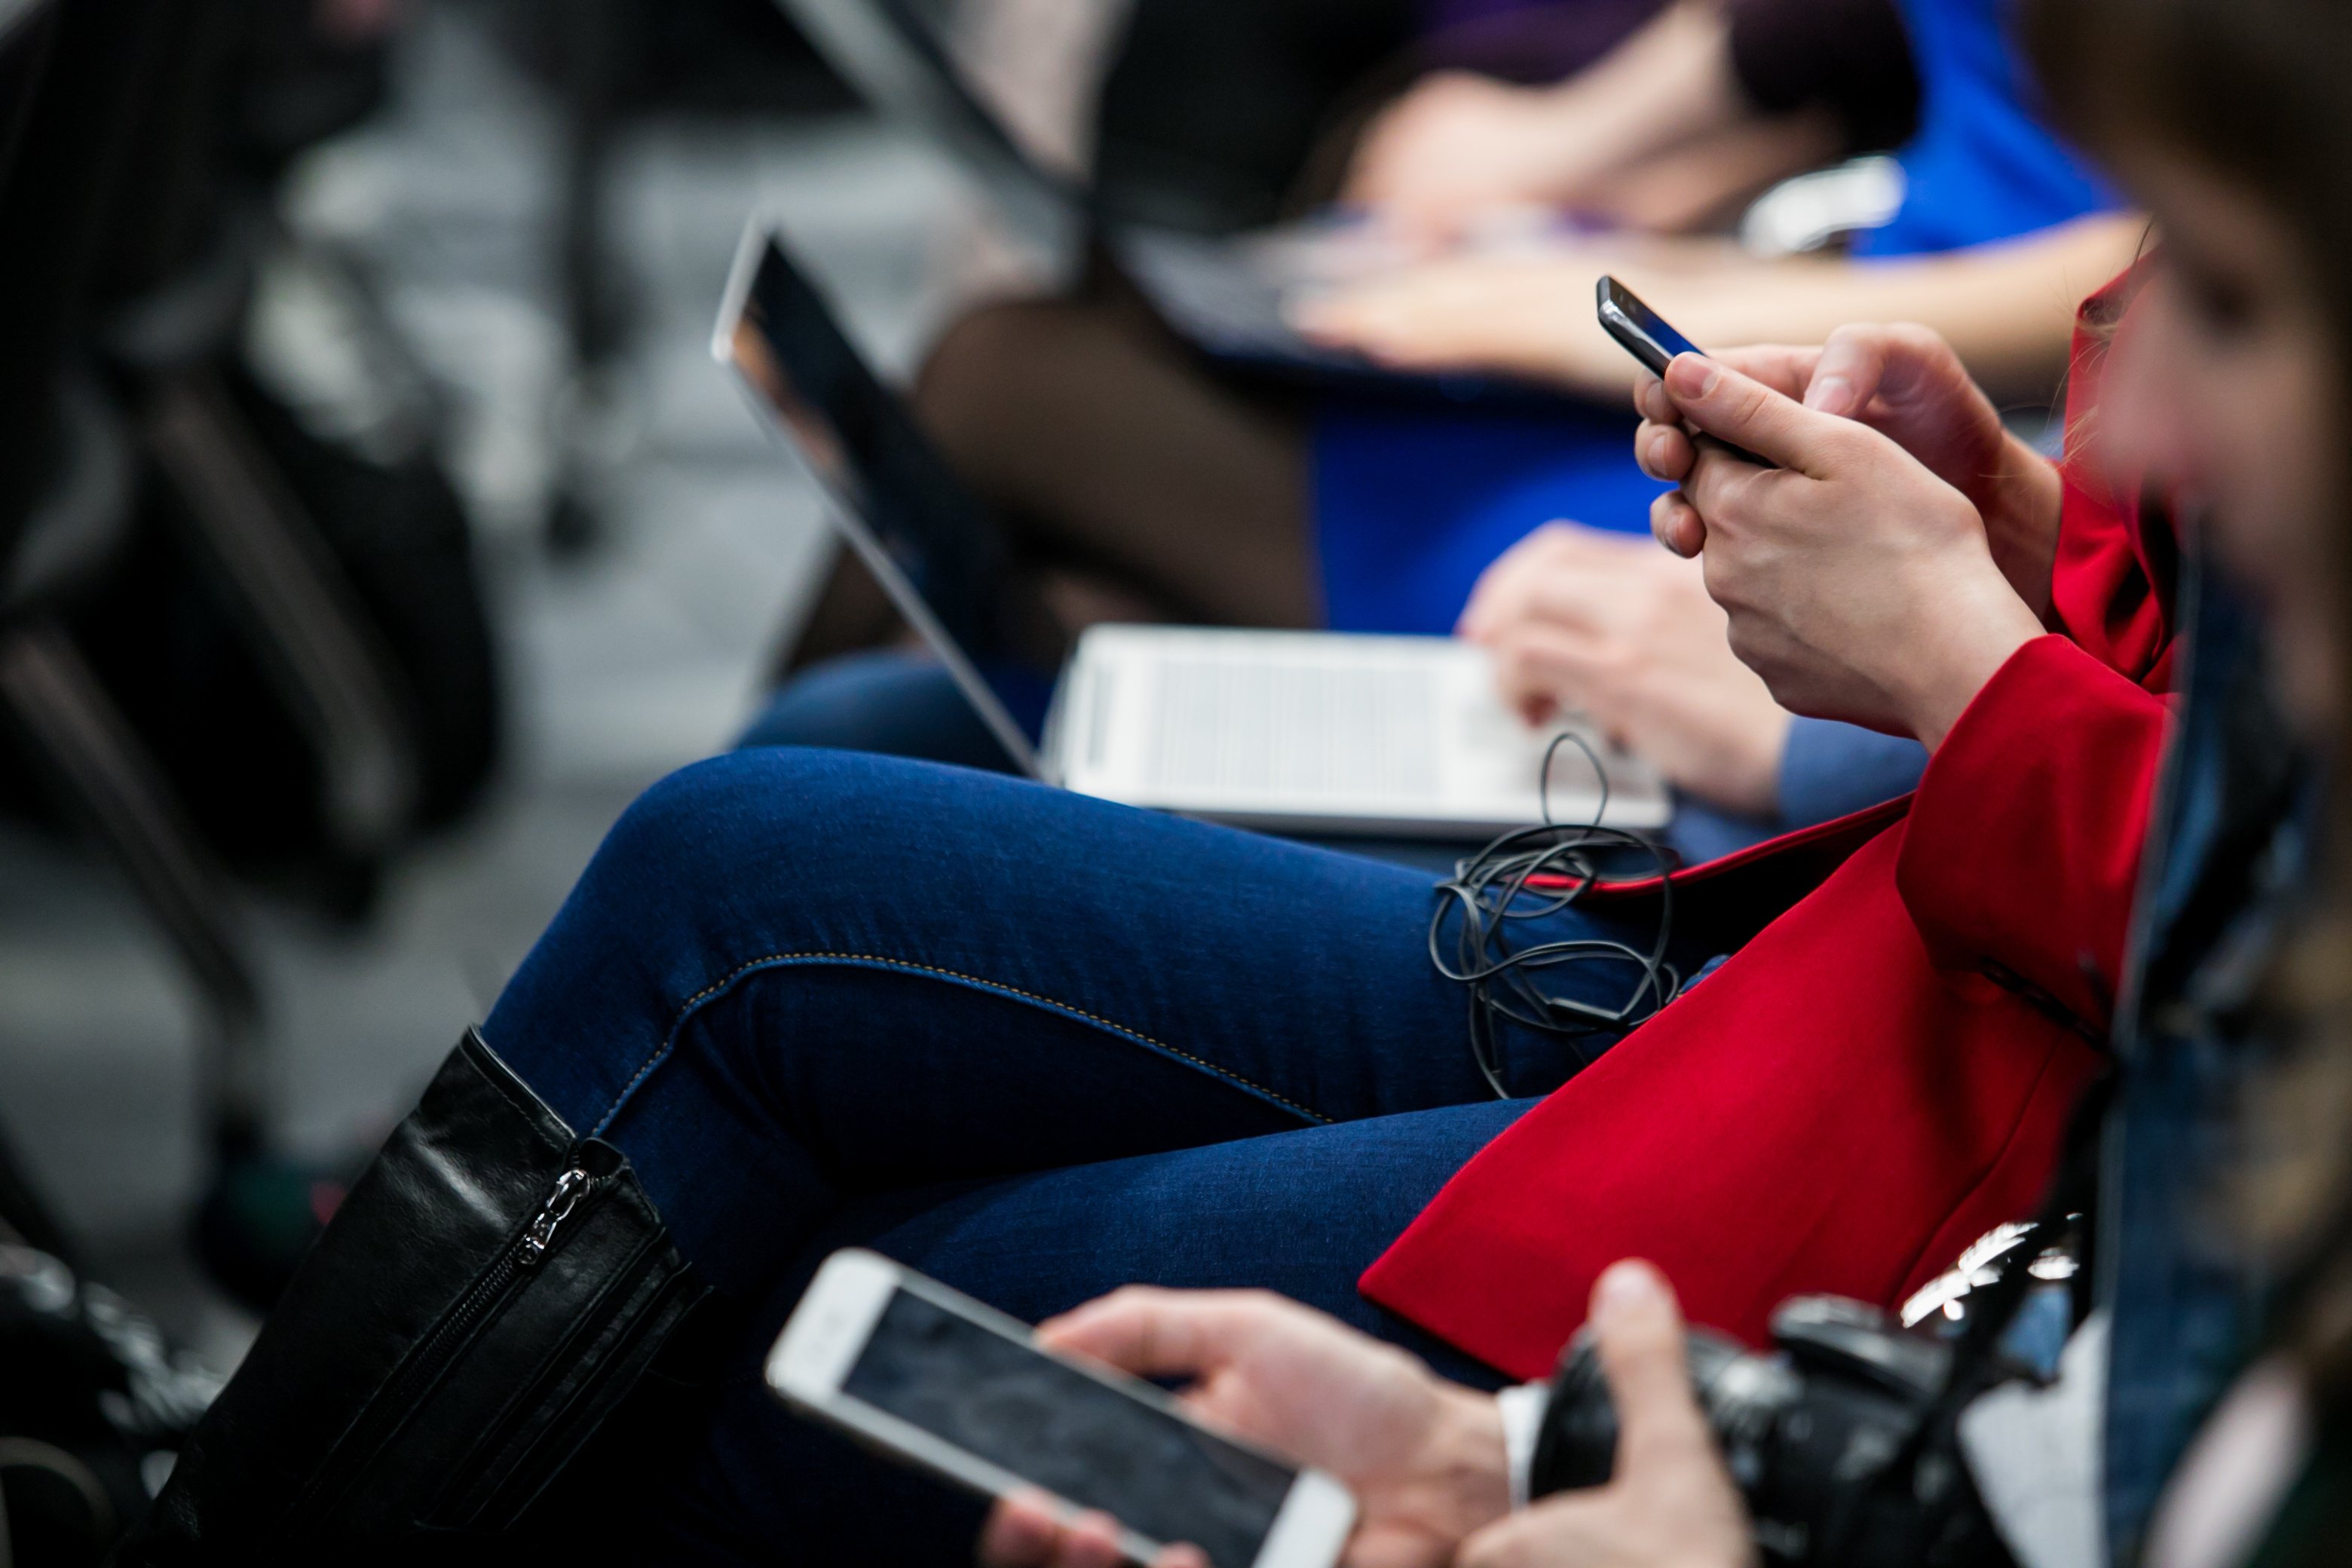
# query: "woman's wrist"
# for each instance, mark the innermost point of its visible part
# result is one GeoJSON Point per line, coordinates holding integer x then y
{"type": "Point", "coordinates": [1963, 648]}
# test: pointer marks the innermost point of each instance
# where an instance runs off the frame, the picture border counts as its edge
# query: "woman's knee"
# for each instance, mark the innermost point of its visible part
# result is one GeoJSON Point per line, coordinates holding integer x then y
{"type": "Point", "coordinates": [771, 824]}
{"type": "Point", "coordinates": [991, 393]}
{"type": "Point", "coordinates": [953, 389]}
{"type": "Point", "coordinates": [726, 817]}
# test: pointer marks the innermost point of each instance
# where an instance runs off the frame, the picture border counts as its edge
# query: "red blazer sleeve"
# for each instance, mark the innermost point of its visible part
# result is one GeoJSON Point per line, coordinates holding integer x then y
{"type": "Point", "coordinates": [2021, 859]}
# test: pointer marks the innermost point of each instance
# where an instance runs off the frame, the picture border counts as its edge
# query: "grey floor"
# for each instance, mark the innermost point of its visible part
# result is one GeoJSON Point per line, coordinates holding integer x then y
{"type": "Point", "coordinates": [624, 662]}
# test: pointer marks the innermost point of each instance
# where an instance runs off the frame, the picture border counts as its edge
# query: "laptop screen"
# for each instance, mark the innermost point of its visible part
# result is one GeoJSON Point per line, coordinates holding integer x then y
{"type": "Point", "coordinates": [929, 543]}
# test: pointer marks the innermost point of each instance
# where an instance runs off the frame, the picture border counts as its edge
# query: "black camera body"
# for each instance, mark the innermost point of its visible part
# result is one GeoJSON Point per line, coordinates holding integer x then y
{"type": "Point", "coordinates": [1834, 1439]}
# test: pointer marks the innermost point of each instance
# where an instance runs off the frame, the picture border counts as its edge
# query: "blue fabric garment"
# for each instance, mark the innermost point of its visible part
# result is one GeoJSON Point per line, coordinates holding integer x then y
{"type": "Point", "coordinates": [1411, 503]}
{"type": "Point", "coordinates": [1829, 769]}
{"type": "Point", "coordinates": [1983, 167]}
{"type": "Point", "coordinates": [2233, 834]}
{"type": "Point", "coordinates": [1036, 1045]}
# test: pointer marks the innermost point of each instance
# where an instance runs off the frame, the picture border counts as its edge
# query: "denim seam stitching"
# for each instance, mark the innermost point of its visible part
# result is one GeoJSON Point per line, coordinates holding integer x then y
{"type": "Point", "coordinates": [691, 1003]}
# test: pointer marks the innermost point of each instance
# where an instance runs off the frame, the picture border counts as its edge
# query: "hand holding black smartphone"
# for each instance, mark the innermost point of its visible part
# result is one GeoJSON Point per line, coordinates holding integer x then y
{"type": "Point", "coordinates": [1645, 335]}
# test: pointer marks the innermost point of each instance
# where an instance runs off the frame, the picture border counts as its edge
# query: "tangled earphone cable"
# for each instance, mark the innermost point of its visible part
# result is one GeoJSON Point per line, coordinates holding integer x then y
{"type": "Point", "coordinates": [1532, 874]}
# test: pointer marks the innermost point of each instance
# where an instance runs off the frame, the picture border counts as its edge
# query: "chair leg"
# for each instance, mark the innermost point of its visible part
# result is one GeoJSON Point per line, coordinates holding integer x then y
{"type": "Point", "coordinates": [106, 776]}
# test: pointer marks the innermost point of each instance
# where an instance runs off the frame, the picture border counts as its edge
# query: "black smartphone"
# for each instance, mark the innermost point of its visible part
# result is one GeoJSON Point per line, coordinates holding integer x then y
{"type": "Point", "coordinates": [1645, 335]}
{"type": "Point", "coordinates": [1642, 331]}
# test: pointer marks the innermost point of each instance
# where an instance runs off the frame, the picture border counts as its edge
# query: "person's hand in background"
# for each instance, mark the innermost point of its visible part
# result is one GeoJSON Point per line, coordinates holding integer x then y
{"type": "Point", "coordinates": [1669, 1503]}
{"type": "Point", "coordinates": [1521, 315]}
{"type": "Point", "coordinates": [1622, 632]}
{"type": "Point", "coordinates": [1424, 1457]}
{"type": "Point", "coordinates": [1859, 584]}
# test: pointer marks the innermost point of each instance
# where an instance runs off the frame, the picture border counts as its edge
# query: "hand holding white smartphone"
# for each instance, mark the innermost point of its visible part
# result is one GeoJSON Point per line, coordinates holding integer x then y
{"type": "Point", "coordinates": [935, 1378]}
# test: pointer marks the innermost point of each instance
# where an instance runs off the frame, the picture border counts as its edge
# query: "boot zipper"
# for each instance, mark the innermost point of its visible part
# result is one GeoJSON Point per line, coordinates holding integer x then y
{"type": "Point", "coordinates": [393, 1403]}
{"type": "Point", "coordinates": [539, 1236]}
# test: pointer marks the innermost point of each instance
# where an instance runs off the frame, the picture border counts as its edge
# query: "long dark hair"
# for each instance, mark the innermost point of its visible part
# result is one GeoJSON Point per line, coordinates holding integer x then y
{"type": "Point", "coordinates": [2259, 92]}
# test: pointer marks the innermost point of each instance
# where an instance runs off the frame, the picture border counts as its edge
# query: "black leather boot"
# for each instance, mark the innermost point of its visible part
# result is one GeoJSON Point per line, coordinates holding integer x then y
{"type": "Point", "coordinates": [491, 1291]}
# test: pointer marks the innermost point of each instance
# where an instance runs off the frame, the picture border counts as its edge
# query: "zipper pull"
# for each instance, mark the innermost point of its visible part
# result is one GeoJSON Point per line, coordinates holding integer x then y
{"type": "Point", "coordinates": [570, 1188]}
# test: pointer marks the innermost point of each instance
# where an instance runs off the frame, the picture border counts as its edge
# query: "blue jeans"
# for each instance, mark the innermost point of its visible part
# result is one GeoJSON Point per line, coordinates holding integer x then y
{"type": "Point", "coordinates": [1034, 1045]}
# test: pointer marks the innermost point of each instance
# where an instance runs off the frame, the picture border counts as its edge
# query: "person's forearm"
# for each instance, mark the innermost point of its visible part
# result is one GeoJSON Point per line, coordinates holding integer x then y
{"type": "Point", "coordinates": [2008, 309]}
{"type": "Point", "coordinates": [1950, 657]}
{"type": "Point", "coordinates": [1669, 83]}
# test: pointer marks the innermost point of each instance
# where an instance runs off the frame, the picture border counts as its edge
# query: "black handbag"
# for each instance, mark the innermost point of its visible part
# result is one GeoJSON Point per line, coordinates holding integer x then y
{"type": "Point", "coordinates": [489, 1296]}
{"type": "Point", "coordinates": [92, 1398]}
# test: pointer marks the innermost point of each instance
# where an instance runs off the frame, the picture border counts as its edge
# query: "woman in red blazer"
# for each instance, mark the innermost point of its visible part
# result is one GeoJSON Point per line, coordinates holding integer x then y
{"type": "Point", "coordinates": [2036, 704]}
{"type": "Point", "coordinates": [1040, 1046]}
{"type": "Point", "coordinates": [1924, 1016]}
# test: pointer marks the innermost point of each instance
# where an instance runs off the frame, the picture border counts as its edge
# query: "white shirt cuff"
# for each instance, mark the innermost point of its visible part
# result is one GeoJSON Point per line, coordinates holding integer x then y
{"type": "Point", "coordinates": [1522, 1409]}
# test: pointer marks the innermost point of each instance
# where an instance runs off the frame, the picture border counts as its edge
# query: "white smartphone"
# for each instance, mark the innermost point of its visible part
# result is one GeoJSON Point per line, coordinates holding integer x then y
{"type": "Point", "coordinates": [935, 1378]}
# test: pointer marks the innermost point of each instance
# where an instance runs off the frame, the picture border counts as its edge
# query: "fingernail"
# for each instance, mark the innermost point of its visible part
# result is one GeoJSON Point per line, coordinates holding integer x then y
{"type": "Point", "coordinates": [1627, 1287]}
{"type": "Point", "coordinates": [1693, 375]}
{"type": "Point", "coordinates": [1832, 394]}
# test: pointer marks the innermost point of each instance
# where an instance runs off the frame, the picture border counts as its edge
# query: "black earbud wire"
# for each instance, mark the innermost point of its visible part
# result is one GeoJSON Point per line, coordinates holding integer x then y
{"type": "Point", "coordinates": [1490, 891]}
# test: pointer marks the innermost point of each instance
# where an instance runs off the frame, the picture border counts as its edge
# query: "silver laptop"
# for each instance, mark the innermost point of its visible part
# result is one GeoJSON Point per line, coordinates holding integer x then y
{"type": "Point", "coordinates": [1224, 295]}
{"type": "Point", "coordinates": [1298, 732]}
